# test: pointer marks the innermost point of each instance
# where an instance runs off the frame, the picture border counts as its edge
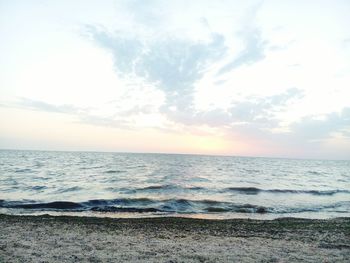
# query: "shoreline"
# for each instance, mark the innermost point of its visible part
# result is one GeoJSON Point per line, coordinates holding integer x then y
{"type": "Point", "coordinates": [48, 238]}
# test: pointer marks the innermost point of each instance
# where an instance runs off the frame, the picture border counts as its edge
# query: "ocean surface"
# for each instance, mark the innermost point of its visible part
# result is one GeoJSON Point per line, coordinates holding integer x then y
{"type": "Point", "coordinates": [137, 185]}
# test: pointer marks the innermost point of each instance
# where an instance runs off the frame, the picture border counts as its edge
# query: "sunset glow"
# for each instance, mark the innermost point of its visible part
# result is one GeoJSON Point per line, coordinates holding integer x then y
{"type": "Point", "coordinates": [215, 77]}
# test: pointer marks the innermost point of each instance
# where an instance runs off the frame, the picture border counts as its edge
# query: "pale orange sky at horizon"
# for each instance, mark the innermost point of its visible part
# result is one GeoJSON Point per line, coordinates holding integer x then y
{"type": "Point", "coordinates": [252, 78]}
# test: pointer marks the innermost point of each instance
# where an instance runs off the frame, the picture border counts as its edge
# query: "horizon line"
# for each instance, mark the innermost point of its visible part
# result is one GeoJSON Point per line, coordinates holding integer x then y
{"type": "Point", "coordinates": [174, 153]}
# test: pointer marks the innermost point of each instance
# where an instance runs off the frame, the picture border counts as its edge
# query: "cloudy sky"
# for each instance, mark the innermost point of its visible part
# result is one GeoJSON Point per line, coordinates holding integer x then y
{"type": "Point", "coordinates": [253, 78]}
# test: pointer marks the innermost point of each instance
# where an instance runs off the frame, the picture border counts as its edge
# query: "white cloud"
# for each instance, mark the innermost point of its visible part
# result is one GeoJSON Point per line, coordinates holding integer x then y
{"type": "Point", "coordinates": [259, 71]}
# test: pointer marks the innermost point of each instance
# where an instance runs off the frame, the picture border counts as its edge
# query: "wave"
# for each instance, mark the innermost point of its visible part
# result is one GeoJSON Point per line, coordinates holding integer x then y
{"type": "Point", "coordinates": [314, 172]}
{"type": "Point", "coordinates": [37, 187]}
{"type": "Point", "coordinates": [254, 190]}
{"type": "Point", "coordinates": [156, 187]}
{"type": "Point", "coordinates": [52, 205]}
{"type": "Point", "coordinates": [239, 190]}
{"type": "Point", "coordinates": [196, 188]}
{"type": "Point", "coordinates": [181, 206]}
{"type": "Point", "coordinates": [70, 189]}
{"type": "Point", "coordinates": [114, 171]}
{"type": "Point", "coordinates": [140, 205]}
{"type": "Point", "coordinates": [24, 170]}
{"type": "Point", "coordinates": [160, 188]}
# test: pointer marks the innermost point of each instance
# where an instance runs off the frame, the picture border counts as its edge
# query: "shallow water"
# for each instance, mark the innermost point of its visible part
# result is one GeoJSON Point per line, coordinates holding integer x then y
{"type": "Point", "coordinates": [115, 184]}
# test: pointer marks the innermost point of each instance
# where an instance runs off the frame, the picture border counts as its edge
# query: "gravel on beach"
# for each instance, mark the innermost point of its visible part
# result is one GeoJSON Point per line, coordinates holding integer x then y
{"type": "Point", "coordinates": [171, 239]}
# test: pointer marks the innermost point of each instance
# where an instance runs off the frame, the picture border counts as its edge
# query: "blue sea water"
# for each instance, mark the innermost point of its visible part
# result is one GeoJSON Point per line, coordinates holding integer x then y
{"type": "Point", "coordinates": [119, 184]}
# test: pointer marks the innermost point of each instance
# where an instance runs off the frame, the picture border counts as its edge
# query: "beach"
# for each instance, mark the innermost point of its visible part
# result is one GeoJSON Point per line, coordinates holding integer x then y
{"type": "Point", "coordinates": [170, 239]}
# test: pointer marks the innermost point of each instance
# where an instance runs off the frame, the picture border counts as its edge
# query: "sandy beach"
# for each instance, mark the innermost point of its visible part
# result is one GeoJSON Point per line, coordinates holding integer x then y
{"type": "Point", "coordinates": [85, 239]}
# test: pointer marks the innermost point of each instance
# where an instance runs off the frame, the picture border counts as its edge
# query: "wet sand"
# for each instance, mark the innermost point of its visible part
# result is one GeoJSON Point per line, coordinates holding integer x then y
{"type": "Point", "coordinates": [85, 239]}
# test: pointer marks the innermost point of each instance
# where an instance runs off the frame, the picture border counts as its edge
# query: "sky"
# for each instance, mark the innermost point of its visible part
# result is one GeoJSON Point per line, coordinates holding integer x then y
{"type": "Point", "coordinates": [252, 78]}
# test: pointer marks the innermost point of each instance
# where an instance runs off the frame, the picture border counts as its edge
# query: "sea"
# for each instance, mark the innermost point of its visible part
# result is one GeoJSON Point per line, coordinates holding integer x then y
{"type": "Point", "coordinates": [150, 185]}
